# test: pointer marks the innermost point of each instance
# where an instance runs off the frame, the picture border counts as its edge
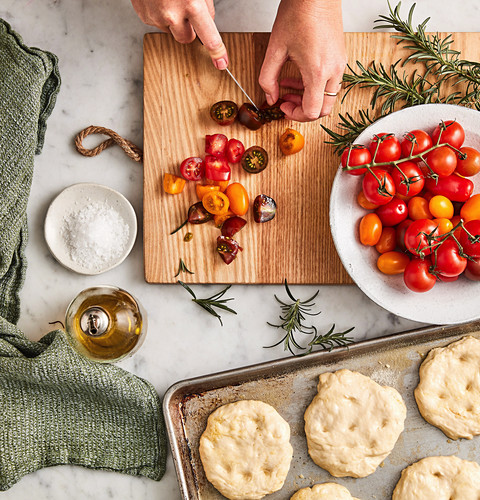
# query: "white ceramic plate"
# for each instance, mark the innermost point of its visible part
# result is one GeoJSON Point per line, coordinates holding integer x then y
{"type": "Point", "coordinates": [446, 303]}
{"type": "Point", "coordinates": [73, 199]}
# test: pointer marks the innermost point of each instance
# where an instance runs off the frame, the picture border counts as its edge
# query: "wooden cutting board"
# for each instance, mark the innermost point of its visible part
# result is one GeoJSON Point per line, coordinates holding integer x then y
{"type": "Point", "coordinates": [180, 85]}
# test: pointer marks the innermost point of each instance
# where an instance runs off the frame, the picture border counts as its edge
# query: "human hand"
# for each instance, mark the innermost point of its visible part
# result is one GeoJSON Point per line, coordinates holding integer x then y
{"type": "Point", "coordinates": [186, 19]}
{"type": "Point", "coordinates": [309, 33]}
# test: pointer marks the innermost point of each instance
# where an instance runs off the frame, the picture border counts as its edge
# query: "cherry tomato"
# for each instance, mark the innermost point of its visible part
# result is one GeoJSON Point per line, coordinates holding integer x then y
{"type": "Point", "coordinates": [291, 142]}
{"type": "Point", "coordinates": [441, 206]}
{"type": "Point", "coordinates": [227, 248]}
{"type": "Point", "coordinates": [471, 209]}
{"type": "Point", "coordinates": [222, 185]}
{"type": "Point", "coordinates": [417, 276]}
{"type": "Point", "coordinates": [273, 112]}
{"type": "Point", "coordinates": [416, 142]}
{"type": "Point", "coordinates": [224, 112]}
{"type": "Point", "coordinates": [455, 220]}
{"type": "Point", "coordinates": [387, 241]}
{"type": "Point", "coordinates": [216, 203]}
{"type": "Point", "coordinates": [220, 219]}
{"type": "Point", "coordinates": [232, 225]}
{"type": "Point", "coordinates": [234, 151]}
{"type": "Point", "coordinates": [254, 160]}
{"type": "Point", "coordinates": [444, 225]}
{"type": "Point", "coordinates": [416, 240]}
{"type": "Point", "coordinates": [393, 212]}
{"type": "Point", "coordinates": [408, 179]}
{"type": "Point", "coordinates": [364, 203]}
{"type": "Point", "coordinates": [370, 229]}
{"type": "Point", "coordinates": [217, 169]}
{"type": "Point", "coordinates": [471, 241]}
{"type": "Point", "coordinates": [264, 208]}
{"type": "Point", "coordinates": [389, 148]}
{"type": "Point", "coordinates": [418, 208]}
{"type": "Point", "coordinates": [454, 187]}
{"type": "Point", "coordinates": [196, 215]}
{"type": "Point", "coordinates": [354, 156]}
{"type": "Point", "coordinates": [238, 198]}
{"type": "Point", "coordinates": [392, 262]}
{"type": "Point", "coordinates": [192, 169]}
{"type": "Point", "coordinates": [443, 161]}
{"type": "Point", "coordinates": [400, 230]}
{"type": "Point", "coordinates": [249, 117]}
{"type": "Point", "coordinates": [378, 187]}
{"type": "Point", "coordinates": [172, 184]}
{"type": "Point", "coordinates": [468, 162]}
{"type": "Point", "coordinates": [202, 190]}
{"type": "Point", "coordinates": [216, 145]}
{"type": "Point", "coordinates": [446, 279]}
{"type": "Point", "coordinates": [472, 272]}
{"type": "Point", "coordinates": [450, 132]}
{"type": "Point", "coordinates": [448, 261]}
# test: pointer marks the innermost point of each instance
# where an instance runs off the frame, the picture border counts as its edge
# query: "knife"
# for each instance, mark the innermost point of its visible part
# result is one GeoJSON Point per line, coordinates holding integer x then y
{"type": "Point", "coordinates": [241, 88]}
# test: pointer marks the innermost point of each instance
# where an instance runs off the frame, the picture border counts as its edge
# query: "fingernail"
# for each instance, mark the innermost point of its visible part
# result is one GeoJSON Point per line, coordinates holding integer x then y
{"type": "Point", "coordinates": [220, 63]}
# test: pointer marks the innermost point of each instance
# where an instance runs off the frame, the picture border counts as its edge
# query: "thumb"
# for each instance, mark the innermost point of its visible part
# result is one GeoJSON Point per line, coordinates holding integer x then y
{"type": "Point", "coordinates": [275, 58]}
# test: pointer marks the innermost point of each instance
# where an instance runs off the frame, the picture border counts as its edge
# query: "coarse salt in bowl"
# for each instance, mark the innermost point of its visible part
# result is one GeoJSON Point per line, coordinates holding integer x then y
{"type": "Point", "coordinates": [90, 228]}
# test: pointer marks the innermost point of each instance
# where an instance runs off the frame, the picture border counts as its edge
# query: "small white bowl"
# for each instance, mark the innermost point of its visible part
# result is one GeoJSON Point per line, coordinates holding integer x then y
{"type": "Point", "coordinates": [73, 199]}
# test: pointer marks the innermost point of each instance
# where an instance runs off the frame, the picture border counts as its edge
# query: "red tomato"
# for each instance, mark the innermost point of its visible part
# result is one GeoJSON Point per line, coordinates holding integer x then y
{"type": "Point", "coordinates": [400, 233]}
{"type": "Point", "coordinates": [471, 241]}
{"type": "Point", "coordinates": [443, 161]}
{"type": "Point", "coordinates": [416, 240]}
{"type": "Point", "coordinates": [235, 150]}
{"type": "Point", "coordinates": [446, 279]}
{"type": "Point", "coordinates": [192, 169]}
{"type": "Point", "coordinates": [473, 270]}
{"type": "Point", "coordinates": [232, 225]}
{"type": "Point", "coordinates": [448, 261]}
{"type": "Point", "coordinates": [387, 241]}
{"type": "Point", "coordinates": [468, 162]}
{"type": "Point", "coordinates": [356, 155]}
{"type": "Point", "coordinates": [454, 187]}
{"type": "Point", "coordinates": [419, 140]}
{"type": "Point", "coordinates": [408, 179]}
{"type": "Point", "coordinates": [378, 187]}
{"type": "Point", "coordinates": [217, 169]}
{"type": "Point", "coordinates": [216, 145]}
{"type": "Point", "coordinates": [417, 276]}
{"type": "Point", "coordinates": [370, 229]}
{"type": "Point", "coordinates": [392, 262]}
{"type": "Point", "coordinates": [393, 212]}
{"type": "Point", "coordinates": [471, 209]}
{"type": "Point", "coordinates": [389, 148]}
{"type": "Point", "coordinates": [450, 132]}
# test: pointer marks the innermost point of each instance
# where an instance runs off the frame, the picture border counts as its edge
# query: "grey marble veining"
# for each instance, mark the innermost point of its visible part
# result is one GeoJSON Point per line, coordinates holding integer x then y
{"type": "Point", "coordinates": [99, 44]}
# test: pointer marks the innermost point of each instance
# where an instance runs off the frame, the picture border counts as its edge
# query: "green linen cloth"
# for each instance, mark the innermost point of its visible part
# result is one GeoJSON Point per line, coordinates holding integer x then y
{"type": "Point", "coordinates": [57, 407]}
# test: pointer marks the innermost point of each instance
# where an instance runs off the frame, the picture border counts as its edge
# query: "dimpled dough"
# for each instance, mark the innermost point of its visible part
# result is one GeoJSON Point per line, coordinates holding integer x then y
{"type": "Point", "coordinates": [325, 491]}
{"type": "Point", "coordinates": [353, 423]}
{"type": "Point", "coordinates": [439, 478]}
{"type": "Point", "coordinates": [245, 450]}
{"type": "Point", "coordinates": [448, 394]}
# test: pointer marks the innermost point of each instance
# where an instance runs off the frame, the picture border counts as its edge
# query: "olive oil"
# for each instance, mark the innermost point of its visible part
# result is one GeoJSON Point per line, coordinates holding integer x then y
{"type": "Point", "coordinates": [105, 323]}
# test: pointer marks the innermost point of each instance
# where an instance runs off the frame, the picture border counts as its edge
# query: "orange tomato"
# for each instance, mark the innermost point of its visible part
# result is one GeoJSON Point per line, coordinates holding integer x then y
{"type": "Point", "coordinates": [455, 220]}
{"type": "Point", "coordinates": [387, 241]}
{"type": "Point", "coordinates": [291, 141]}
{"type": "Point", "coordinates": [364, 203]}
{"type": "Point", "coordinates": [441, 207]}
{"type": "Point", "coordinates": [238, 197]}
{"type": "Point", "coordinates": [202, 190]}
{"type": "Point", "coordinates": [370, 229]}
{"type": "Point", "coordinates": [220, 219]}
{"type": "Point", "coordinates": [444, 225]}
{"type": "Point", "coordinates": [471, 209]}
{"type": "Point", "coordinates": [418, 209]}
{"type": "Point", "coordinates": [392, 262]}
{"type": "Point", "coordinates": [172, 184]}
{"type": "Point", "coordinates": [216, 203]}
{"type": "Point", "coordinates": [221, 184]}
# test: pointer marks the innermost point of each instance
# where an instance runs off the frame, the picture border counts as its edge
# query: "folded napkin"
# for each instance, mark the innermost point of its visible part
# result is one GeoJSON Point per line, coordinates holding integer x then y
{"type": "Point", "coordinates": [57, 407]}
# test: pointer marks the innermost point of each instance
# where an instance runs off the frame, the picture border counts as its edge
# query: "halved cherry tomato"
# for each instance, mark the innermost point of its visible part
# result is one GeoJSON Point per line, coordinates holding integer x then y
{"type": "Point", "coordinates": [443, 161]}
{"type": "Point", "coordinates": [416, 142]}
{"type": "Point", "coordinates": [471, 241]}
{"type": "Point", "coordinates": [192, 169]}
{"type": "Point", "coordinates": [202, 190]}
{"type": "Point", "coordinates": [217, 169]}
{"type": "Point", "coordinates": [416, 240]}
{"type": "Point", "coordinates": [448, 261]}
{"type": "Point", "coordinates": [216, 145]}
{"type": "Point", "coordinates": [254, 160]}
{"type": "Point", "coordinates": [238, 198]}
{"type": "Point", "coordinates": [468, 162]}
{"type": "Point", "coordinates": [378, 187]}
{"type": "Point", "coordinates": [291, 142]}
{"type": "Point", "coordinates": [454, 187]}
{"type": "Point", "coordinates": [444, 225]}
{"type": "Point", "coordinates": [234, 151]}
{"type": "Point", "coordinates": [387, 241]}
{"type": "Point", "coordinates": [393, 212]}
{"type": "Point", "coordinates": [385, 147]}
{"type": "Point", "coordinates": [264, 208]}
{"type": "Point", "coordinates": [249, 117]}
{"type": "Point", "coordinates": [401, 229]}
{"type": "Point", "coordinates": [224, 112]}
{"type": "Point", "coordinates": [418, 208]}
{"type": "Point", "coordinates": [354, 156]}
{"type": "Point", "coordinates": [450, 132]}
{"type": "Point", "coordinates": [272, 112]}
{"type": "Point", "coordinates": [220, 219]}
{"type": "Point", "coordinates": [417, 275]}
{"type": "Point", "coordinates": [227, 248]}
{"type": "Point", "coordinates": [408, 179]}
{"type": "Point", "coordinates": [370, 229]}
{"type": "Point", "coordinates": [172, 184]}
{"type": "Point", "coordinates": [196, 215]}
{"type": "Point", "coordinates": [222, 185]}
{"type": "Point", "coordinates": [216, 203]}
{"type": "Point", "coordinates": [364, 203]}
{"type": "Point", "coordinates": [392, 263]}
{"type": "Point", "coordinates": [471, 209]}
{"type": "Point", "coordinates": [441, 206]}
{"type": "Point", "coordinates": [232, 225]}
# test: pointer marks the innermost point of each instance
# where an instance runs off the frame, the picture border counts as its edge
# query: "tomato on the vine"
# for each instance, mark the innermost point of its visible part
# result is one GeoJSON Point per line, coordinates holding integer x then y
{"type": "Point", "coordinates": [408, 179]}
{"type": "Point", "coordinates": [470, 238]}
{"type": "Point", "coordinates": [392, 262]}
{"type": "Point", "coordinates": [378, 187]}
{"type": "Point", "coordinates": [468, 162]}
{"type": "Point", "coordinates": [354, 156]}
{"type": "Point", "coordinates": [393, 212]}
{"type": "Point", "coordinates": [216, 145]}
{"type": "Point", "coordinates": [238, 197]}
{"type": "Point", "coordinates": [416, 236]}
{"type": "Point", "coordinates": [417, 275]}
{"type": "Point", "coordinates": [454, 187]}
{"type": "Point", "coordinates": [471, 209]}
{"type": "Point", "coordinates": [234, 150]}
{"type": "Point", "coordinates": [192, 169]}
{"type": "Point", "coordinates": [385, 147]}
{"type": "Point", "coordinates": [450, 132]}
{"type": "Point", "coordinates": [416, 142]}
{"type": "Point", "coordinates": [444, 225]}
{"type": "Point", "coordinates": [370, 229]}
{"type": "Point", "coordinates": [217, 169]}
{"type": "Point", "coordinates": [442, 160]}
{"type": "Point", "coordinates": [448, 261]}
{"type": "Point", "coordinates": [472, 272]}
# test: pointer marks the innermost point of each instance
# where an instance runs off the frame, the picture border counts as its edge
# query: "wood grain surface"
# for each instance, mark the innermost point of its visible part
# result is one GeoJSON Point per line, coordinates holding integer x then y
{"type": "Point", "coordinates": [180, 85]}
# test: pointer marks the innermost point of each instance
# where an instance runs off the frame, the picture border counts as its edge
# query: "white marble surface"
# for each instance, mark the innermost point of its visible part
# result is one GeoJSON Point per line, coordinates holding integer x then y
{"type": "Point", "coordinates": [99, 44]}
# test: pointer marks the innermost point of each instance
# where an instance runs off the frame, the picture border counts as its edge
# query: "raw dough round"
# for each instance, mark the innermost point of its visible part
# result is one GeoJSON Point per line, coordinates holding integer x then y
{"type": "Point", "coordinates": [325, 491]}
{"type": "Point", "coordinates": [245, 450]}
{"type": "Point", "coordinates": [353, 423]}
{"type": "Point", "coordinates": [439, 478]}
{"type": "Point", "coordinates": [448, 394]}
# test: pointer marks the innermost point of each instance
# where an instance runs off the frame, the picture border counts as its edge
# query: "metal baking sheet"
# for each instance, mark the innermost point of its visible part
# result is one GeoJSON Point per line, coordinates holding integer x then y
{"type": "Point", "coordinates": [289, 385]}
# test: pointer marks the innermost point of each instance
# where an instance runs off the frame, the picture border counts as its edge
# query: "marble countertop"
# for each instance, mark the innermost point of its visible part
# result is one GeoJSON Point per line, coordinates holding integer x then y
{"type": "Point", "coordinates": [99, 45]}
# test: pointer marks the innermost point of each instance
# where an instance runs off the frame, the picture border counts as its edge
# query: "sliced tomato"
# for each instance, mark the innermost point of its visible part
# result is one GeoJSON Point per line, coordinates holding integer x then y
{"type": "Point", "coordinates": [250, 117]}
{"type": "Point", "coordinates": [291, 142]}
{"type": "Point", "coordinates": [216, 203]}
{"type": "Point", "coordinates": [222, 185]}
{"type": "Point", "coordinates": [224, 112]}
{"type": "Point", "coordinates": [217, 169]}
{"type": "Point", "coordinates": [192, 169]}
{"type": "Point", "coordinates": [202, 190]}
{"type": "Point", "coordinates": [264, 208]}
{"type": "Point", "coordinates": [227, 248]}
{"type": "Point", "coordinates": [232, 225]}
{"type": "Point", "coordinates": [234, 151]}
{"type": "Point", "coordinates": [221, 218]}
{"type": "Point", "coordinates": [254, 160]}
{"type": "Point", "coordinates": [216, 145]}
{"type": "Point", "coordinates": [172, 184]}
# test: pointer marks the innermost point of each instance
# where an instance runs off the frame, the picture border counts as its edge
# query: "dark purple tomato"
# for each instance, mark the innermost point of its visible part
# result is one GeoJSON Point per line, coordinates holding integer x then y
{"type": "Point", "coordinates": [232, 225]}
{"type": "Point", "coordinates": [264, 208]}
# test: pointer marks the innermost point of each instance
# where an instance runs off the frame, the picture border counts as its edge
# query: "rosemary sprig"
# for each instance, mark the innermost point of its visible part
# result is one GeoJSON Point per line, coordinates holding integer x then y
{"type": "Point", "coordinates": [331, 339]}
{"type": "Point", "coordinates": [182, 268]}
{"type": "Point", "coordinates": [215, 301]}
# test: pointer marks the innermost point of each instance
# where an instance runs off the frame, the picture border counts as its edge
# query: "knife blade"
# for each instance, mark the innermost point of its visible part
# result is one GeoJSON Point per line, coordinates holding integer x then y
{"type": "Point", "coordinates": [241, 88]}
